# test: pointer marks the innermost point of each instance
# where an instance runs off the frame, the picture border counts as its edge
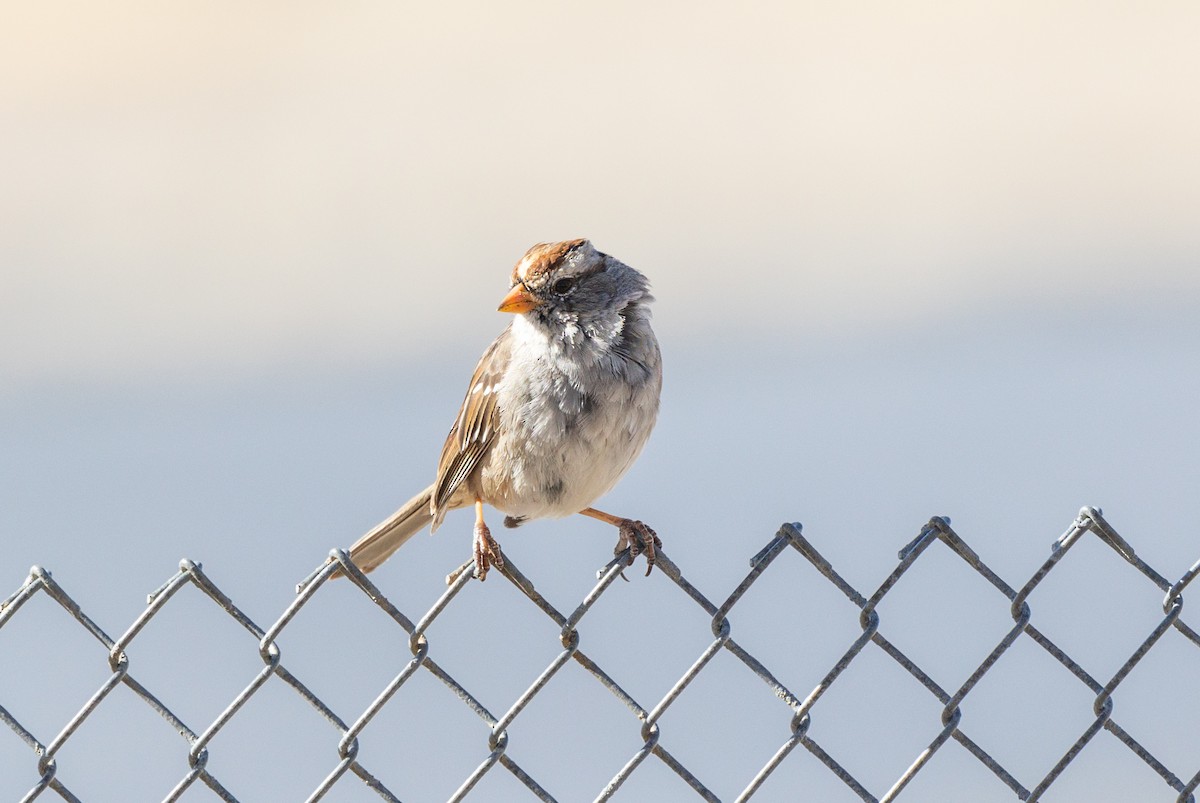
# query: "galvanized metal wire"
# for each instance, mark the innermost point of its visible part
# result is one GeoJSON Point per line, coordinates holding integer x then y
{"type": "Point", "coordinates": [800, 711]}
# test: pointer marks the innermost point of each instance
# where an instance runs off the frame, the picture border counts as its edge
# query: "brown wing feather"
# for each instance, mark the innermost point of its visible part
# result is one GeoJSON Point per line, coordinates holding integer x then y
{"type": "Point", "coordinates": [474, 430]}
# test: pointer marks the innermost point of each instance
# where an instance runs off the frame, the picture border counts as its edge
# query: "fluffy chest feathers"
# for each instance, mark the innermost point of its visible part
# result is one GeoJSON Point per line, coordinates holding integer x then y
{"type": "Point", "coordinates": [584, 400]}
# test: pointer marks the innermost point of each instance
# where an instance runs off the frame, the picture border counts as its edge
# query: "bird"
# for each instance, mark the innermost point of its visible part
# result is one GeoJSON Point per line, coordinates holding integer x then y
{"type": "Point", "coordinates": [558, 409]}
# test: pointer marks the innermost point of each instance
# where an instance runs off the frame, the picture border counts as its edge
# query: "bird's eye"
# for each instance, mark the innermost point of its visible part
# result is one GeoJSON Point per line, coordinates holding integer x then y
{"type": "Point", "coordinates": [563, 286]}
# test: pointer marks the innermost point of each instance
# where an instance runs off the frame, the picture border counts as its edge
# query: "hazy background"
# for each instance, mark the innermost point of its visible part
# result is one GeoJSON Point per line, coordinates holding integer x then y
{"type": "Point", "coordinates": [911, 260]}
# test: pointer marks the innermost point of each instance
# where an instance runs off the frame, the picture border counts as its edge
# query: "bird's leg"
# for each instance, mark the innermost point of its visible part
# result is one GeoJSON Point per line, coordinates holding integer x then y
{"type": "Point", "coordinates": [635, 536]}
{"type": "Point", "coordinates": [485, 549]}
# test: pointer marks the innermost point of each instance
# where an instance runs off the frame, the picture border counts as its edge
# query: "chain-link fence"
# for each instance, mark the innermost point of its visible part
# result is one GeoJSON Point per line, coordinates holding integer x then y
{"type": "Point", "coordinates": [800, 710]}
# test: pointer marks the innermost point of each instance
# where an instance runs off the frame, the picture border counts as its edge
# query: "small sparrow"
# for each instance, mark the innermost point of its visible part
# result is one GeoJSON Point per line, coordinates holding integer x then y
{"type": "Point", "coordinates": [557, 410]}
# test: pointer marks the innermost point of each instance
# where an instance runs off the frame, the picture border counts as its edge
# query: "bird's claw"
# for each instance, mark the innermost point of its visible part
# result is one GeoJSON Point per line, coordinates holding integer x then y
{"type": "Point", "coordinates": [486, 551]}
{"type": "Point", "coordinates": [639, 539]}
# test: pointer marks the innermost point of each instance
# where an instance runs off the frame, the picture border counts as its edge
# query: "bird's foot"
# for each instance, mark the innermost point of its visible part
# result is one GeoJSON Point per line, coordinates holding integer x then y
{"type": "Point", "coordinates": [639, 539]}
{"type": "Point", "coordinates": [486, 551]}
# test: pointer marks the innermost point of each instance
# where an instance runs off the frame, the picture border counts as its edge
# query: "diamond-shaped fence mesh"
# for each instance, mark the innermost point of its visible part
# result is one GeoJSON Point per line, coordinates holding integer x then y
{"type": "Point", "coordinates": [800, 722]}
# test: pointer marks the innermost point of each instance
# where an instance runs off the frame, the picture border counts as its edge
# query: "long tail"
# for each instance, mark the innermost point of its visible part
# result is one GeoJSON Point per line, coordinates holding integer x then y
{"type": "Point", "coordinates": [390, 534]}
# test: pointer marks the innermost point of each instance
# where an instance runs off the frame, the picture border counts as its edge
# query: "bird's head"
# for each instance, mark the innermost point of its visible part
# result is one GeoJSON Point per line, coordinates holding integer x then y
{"type": "Point", "coordinates": [571, 279]}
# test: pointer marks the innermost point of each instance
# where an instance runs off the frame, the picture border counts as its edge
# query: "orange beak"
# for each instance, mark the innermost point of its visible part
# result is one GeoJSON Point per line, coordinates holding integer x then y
{"type": "Point", "coordinates": [519, 300]}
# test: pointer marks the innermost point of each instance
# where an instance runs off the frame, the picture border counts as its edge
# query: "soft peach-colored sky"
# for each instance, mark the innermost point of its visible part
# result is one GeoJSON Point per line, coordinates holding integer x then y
{"type": "Point", "coordinates": [219, 186]}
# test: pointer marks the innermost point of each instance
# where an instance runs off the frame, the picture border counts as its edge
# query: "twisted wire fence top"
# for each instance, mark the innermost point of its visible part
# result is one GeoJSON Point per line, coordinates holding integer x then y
{"type": "Point", "coordinates": [801, 719]}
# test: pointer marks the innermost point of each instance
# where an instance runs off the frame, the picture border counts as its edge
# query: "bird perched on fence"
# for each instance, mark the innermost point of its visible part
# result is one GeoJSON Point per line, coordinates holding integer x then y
{"type": "Point", "coordinates": [557, 410]}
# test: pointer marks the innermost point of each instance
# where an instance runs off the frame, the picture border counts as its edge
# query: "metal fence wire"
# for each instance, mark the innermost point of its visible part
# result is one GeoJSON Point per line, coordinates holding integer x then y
{"type": "Point", "coordinates": [800, 712]}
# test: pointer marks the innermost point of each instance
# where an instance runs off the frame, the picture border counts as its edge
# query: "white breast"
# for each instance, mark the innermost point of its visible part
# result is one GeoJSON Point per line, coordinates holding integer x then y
{"type": "Point", "coordinates": [573, 419]}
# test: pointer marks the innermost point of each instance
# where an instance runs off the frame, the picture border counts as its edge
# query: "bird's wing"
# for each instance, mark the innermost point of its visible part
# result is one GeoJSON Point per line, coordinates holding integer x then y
{"type": "Point", "coordinates": [475, 428]}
